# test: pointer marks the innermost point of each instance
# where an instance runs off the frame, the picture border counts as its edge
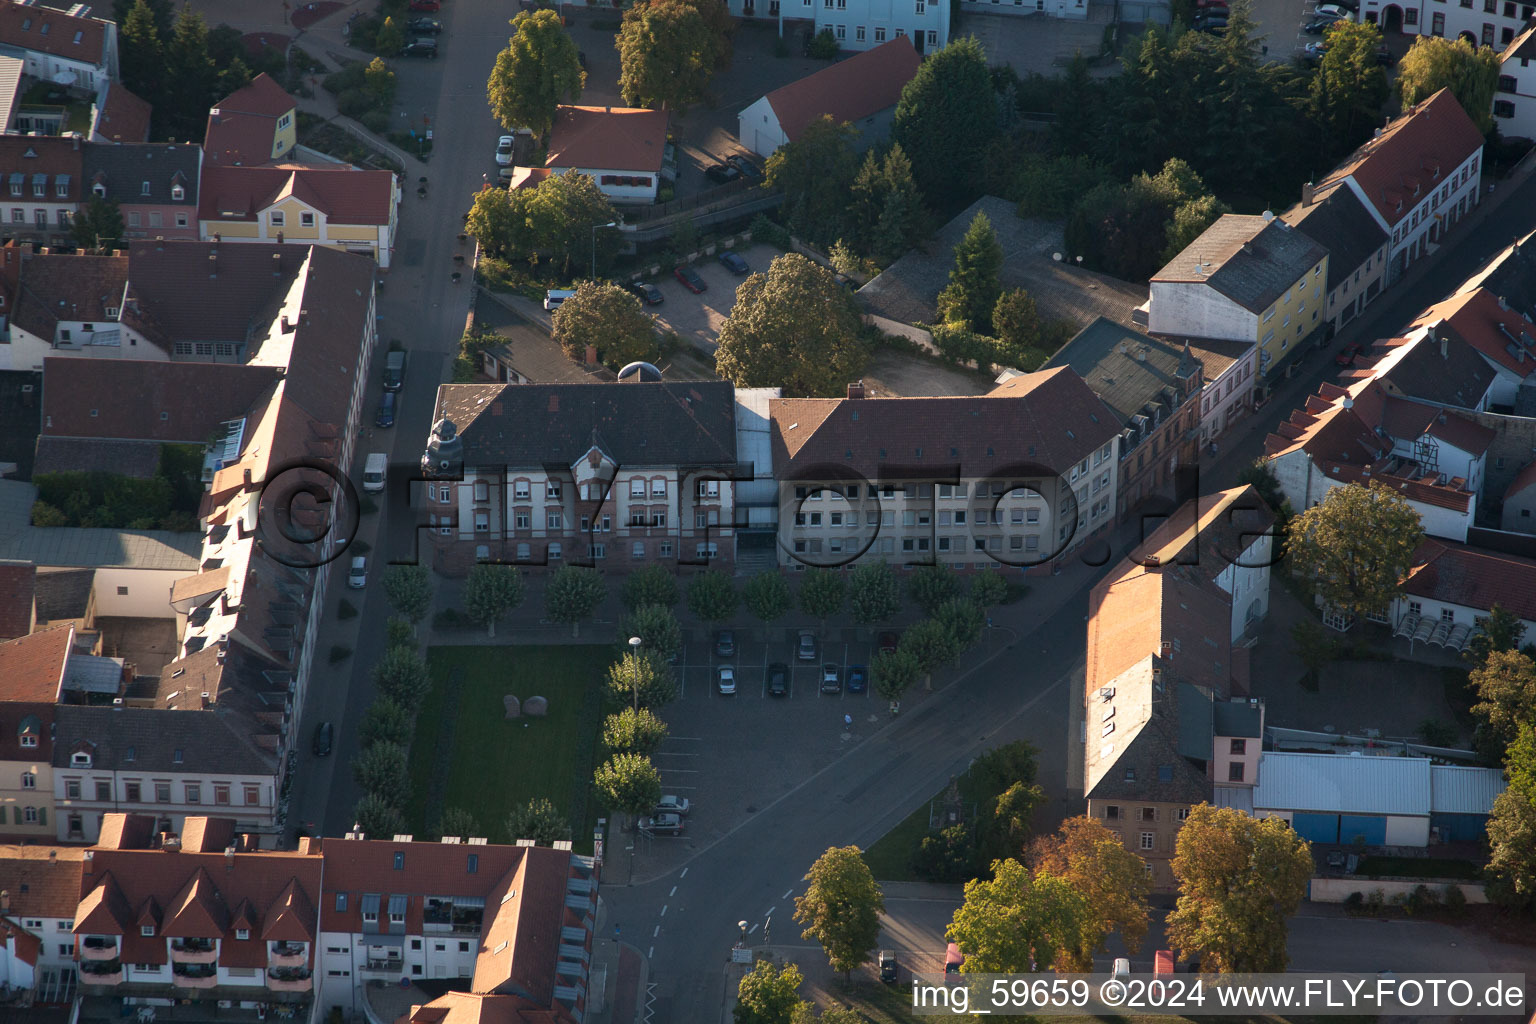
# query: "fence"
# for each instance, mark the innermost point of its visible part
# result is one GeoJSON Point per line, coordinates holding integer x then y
{"type": "Point", "coordinates": [1337, 890]}
{"type": "Point", "coordinates": [712, 195]}
{"type": "Point", "coordinates": [1281, 739]}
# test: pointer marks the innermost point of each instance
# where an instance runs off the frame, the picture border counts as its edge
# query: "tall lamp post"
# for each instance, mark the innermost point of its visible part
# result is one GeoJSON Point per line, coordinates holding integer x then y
{"type": "Point", "coordinates": [634, 687]}
{"type": "Point", "coordinates": [610, 224]}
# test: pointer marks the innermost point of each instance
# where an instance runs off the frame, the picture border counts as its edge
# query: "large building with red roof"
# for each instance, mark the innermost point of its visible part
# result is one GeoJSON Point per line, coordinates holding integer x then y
{"type": "Point", "coordinates": [621, 148]}
{"type": "Point", "coordinates": [72, 48]}
{"type": "Point", "coordinates": [335, 206]}
{"type": "Point", "coordinates": [252, 126]}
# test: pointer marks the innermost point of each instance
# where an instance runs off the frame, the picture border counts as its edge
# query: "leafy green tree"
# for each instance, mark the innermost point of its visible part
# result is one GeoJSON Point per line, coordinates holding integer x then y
{"type": "Point", "coordinates": [1505, 685]}
{"type": "Point", "coordinates": [573, 594]}
{"type": "Point", "coordinates": [1112, 880]}
{"type": "Point", "coordinates": [929, 586]}
{"type": "Point", "coordinates": [973, 288]}
{"type": "Point", "coordinates": [490, 592]}
{"type": "Point", "coordinates": [988, 588]}
{"type": "Point", "coordinates": [963, 619]}
{"type": "Point", "coordinates": [1355, 547]}
{"type": "Point", "coordinates": [946, 118]}
{"type": "Point", "coordinates": [641, 680]}
{"type": "Point", "coordinates": [379, 81]}
{"type": "Point", "coordinates": [629, 784]}
{"type": "Point", "coordinates": [1189, 221]}
{"type": "Point", "coordinates": [794, 328]}
{"type": "Point", "coordinates": [653, 584]}
{"type": "Point", "coordinates": [766, 596]}
{"type": "Point", "coordinates": [822, 593]}
{"type": "Point", "coordinates": [885, 213]}
{"type": "Point", "coordinates": [1006, 828]}
{"type": "Point", "coordinates": [948, 858]}
{"type": "Point", "coordinates": [380, 769]}
{"type": "Point", "coordinates": [712, 596]}
{"type": "Point", "coordinates": [815, 173]}
{"type": "Point", "coordinates": [931, 645]}
{"type": "Point", "coordinates": [377, 818]}
{"type": "Point", "coordinates": [1512, 828]}
{"type": "Point", "coordinates": [142, 53]}
{"type": "Point", "coordinates": [1000, 767]}
{"type": "Point", "coordinates": [608, 318]}
{"type": "Point", "coordinates": [456, 821]}
{"type": "Point", "coordinates": [892, 673]}
{"type": "Point", "coordinates": [190, 75]}
{"type": "Point", "coordinates": [1014, 922]}
{"type": "Point", "coordinates": [390, 40]}
{"type": "Point", "coordinates": [656, 627]}
{"type": "Point", "coordinates": [1239, 878]}
{"type": "Point", "coordinates": [498, 220]}
{"type": "Point", "coordinates": [385, 721]}
{"type": "Point", "coordinates": [98, 226]}
{"type": "Point", "coordinates": [841, 908]}
{"type": "Point", "coordinates": [1050, 186]}
{"type": "Point", "coordinates": [398, 632]}
{"type": "Point", "coordinates": [537, 72]}
{"type": "Point", "coordinates": [874, 593]}
{"type": "Point", "coordinates": [1129, 230]}
{"type": "Point", "coordinates": [1016, 323]}
{"type": "Point", "coordinates": [1471, 73]}
{"type": "Point", "coordinates": [666, 55]}
{"type": "Point", "coordinates": [537, 820]}
{"type": "Point", "coordinates": [401, 676]}
{"type": "Point", "coordinates": [768, 995]}
{"type": "Point", "coordinates": [162, 13]}
{"type": "Point", "coordinates": [408, 589]}
{"type": "Point", "coordinates": [1350, 86]}
{"type": "Point", "coordinates": [561, 212]}
{"type": "Point", "coordinates": [631, 731]}
{"type": "Point", "coordinates": [1499, 630]}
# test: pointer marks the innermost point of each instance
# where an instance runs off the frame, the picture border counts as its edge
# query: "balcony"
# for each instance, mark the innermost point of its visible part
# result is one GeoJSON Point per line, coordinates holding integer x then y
{"type": "Point", "coordinates": [388, 965]}
{"type": "Point", "coordinates": [200, 975]}
{"type": "Point", "coordinates": [289, 979]}
{"type": "Point", "coordinates": [98, 947]}
{"type": "Point", "coordinates": [194, 951]}
{"type": "Point", "coordinates": [101, 972]}
{"type": "Point", "coordinates": [287, 954]}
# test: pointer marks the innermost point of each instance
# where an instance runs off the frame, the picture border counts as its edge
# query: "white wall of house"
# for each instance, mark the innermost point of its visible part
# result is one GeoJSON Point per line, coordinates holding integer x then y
{"type": "Point", "coordinates": [347, 962]}
{"type": "Point", "coordinates": [1246, 579]}
{"type": "Point", "coordinates": [1200, 311]}
{"type": "Point", "coordinates": [1514, 104]}
{"type": "Point", "coordinates": [1074, 10]}
{"type": "Point", "coordinates": [56, 935]}
{"type": "Point", "coordinates": [14, 971]}
{"type": "Point", "coordinates": [1223, 398]}
{"type": "Point", "coordinates": [252, 798]}
{"type": "Point", "coordinates": [758, 128]}
{"type": "Point", "coordinates": [136, 593]}
{"type": "Point", "coordinates": [1305, 485]}
{"type": "Point", "coordinates": [608, 182]}
{"type": "Point", "coordinates": [863, 24]}
{"type": "Point", "coordinates": [1487, 23]}
{"type": "Point", "coordinates": [1433, 214]}
{"type": "Point", "coordinates": [1449, 460]}
{"type": "Point", "coordinates": [1436, 611]}
{"type": "Point", "coordinates": [26, 804]}
{"type": "Point", "coordinates": [105, 340]}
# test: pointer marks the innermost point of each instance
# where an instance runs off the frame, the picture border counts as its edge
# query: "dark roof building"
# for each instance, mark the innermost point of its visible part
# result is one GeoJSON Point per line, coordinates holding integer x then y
{"type": "Point", "coordinates": [1341, 224]}
{"type": "Point", "coordinates": [120, 116]}
{"type": "Point", "coordinates": [1252, 260]}
{"type": "Point", "coordinates": [144, 173]}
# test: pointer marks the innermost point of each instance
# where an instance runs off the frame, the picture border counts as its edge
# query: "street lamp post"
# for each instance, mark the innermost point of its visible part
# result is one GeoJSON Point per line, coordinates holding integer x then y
{"type": "Point", "coordinates": [634, 650]}
{"type": "Point", "coordinates": [610, 224]}
{"type": "Point", "coordinates": [743, 926]}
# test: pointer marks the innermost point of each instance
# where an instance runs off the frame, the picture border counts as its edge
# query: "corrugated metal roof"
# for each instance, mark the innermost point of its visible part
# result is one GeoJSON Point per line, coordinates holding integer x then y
{"type": "Point", "coordinates": [1343, 783]}
{"type": "Point", "coordinates": [89, 547]}
{"type": "Point", "coordinates": [1457, 790]}
{"type": "Point", "coordinates": [1237, 797]}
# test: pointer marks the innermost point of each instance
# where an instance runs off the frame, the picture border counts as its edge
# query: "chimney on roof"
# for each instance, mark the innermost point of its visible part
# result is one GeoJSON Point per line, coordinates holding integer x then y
{"type": "Point", "coordinates": [213, 264]}
{"type": "Point", "coordinates": [856, 389]}
{"type": "Point", "coordinates": [170, 842]}
{"type": "Point", "coordinates": [1445, 347]}
{"type": "Point", "coordinates": [87, 864]}
{"type": "Point", "coordinates": [229, 858]}
{"type": "Point", "coordinates": [53, 856]}
{"type": "Point", "coordinates": [75, 138]}
{"type": "Point", "coordinates": [5, 901]}
{"type": "Point", "coordinates": [277, 264]}
{"type": "Point", "coordinates": [591, 355]}
{"type": "Point", "coordinates": [207, 700]}
{"type": "Point", "coordinates": [1308, 193]}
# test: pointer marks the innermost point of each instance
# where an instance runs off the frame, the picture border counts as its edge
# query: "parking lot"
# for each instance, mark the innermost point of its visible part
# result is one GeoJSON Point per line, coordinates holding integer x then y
{"type": "Point", "coordinates": [697, 318]}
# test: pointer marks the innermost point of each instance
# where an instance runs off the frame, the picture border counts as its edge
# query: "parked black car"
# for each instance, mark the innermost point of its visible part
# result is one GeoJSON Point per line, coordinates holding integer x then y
{"type": "Point", "coordinates": [425, 26]}
{"type": "Point", "coordinates": [645, 292]}
{"type": "Point", "coordinates": [742, 164]}
{"type": "Point", "coordinates": [324, 736]}
{"type": "Point", "coordinates": [723, 174]}
{"type": "Point", "coordinates": [386, 414]}
{"type": "Point", "coordinates": [420, 48]}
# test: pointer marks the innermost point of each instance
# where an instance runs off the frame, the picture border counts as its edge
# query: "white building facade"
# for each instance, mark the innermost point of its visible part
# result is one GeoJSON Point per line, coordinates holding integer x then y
{"type": "Point", "coordinates": [861, 24]}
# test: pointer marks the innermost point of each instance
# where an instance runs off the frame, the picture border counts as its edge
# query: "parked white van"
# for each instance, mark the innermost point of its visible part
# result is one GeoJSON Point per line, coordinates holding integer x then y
{"type": "Point", "coordinates": [555, 296]}
{"type": "Point", "coordinates": [373, 472]}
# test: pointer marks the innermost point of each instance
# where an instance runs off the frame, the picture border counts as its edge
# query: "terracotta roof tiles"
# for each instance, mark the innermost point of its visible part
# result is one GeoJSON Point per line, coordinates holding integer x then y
{"type": "Point", "coordinates": [607, 138]}
{"type": "Point", "coordinates": [148, 400]}
{"type": "Point", "coordinates": [44, 881]}
{"type": "Point", "coordinates": [51, 31]}
{"type": "Point", "coordinates": [849, 90]}
{"type": "Point", "coordinates": [123, 117]}
{"type": "Point", "coordinates": [1473, 578]}
{"type": "Point", "coordinates": [18, 591]}
{"type": "Point", "coordinates": [343, 195]}
{"type": "Point", "coordinates": [32, 666]}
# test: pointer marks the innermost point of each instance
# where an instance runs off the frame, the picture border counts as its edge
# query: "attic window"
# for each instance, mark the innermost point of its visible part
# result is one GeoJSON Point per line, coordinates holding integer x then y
{"type": "Point", "coordinates": [26, 24]}
{"type": "Point", "coordinates": [165, 416]}
{"type": "Point", "coordinates": [242, 934]}
{"type": "Point", "coordinates": [341, 902]}
{"type": "Point", "coordinates": [94, 413]}
{"type": "Point", "coordinates": [130, 754]}
{"type": "Point", "coordinates": [1165, 773]}
{"type": "Point", "coordinates": [99, 190]}
{"type": "Point", "coordinates": [146, 929]}
{"type": "Point", "coordinates": [79, 36]}
{"type": "Point", "coordinates": [143, 188]}
{"type": "Point", "coordinates": [178, 193]}
{"type": "Point", "coordinates": [399, 861]}
{"type": "Point", "coordinates": [474, 864]}
{"type": "Point", "coordinates": [176, 756]}
{"type": "Point", "coordinates": [80, 760]}
{"type": "Point", "coordinates": [1130, 775]}
{"type": "Point", "coordinates": [44, 30]}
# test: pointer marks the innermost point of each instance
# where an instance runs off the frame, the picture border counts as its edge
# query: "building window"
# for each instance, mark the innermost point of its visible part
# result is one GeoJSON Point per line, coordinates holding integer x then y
{"type": "Point", "coordinates": [131, 791]}
{"type": "Point", "coordinates": [858, 33]}
{"type": "Point", "coordinates": [1235, 771]}
{"type": "Point", "coordinates": [30, 815]}
{"type": "Point", "coordinates": [306, 220]}
{"type": "Point", "coordinates": [194, 793]}
{"type": "Point", "coordinates": [933, 36]}
{"type": "Point", "coordinates": [1503, 108]}
{"type": "Point", "coordinates": [552, 520]}
{"type": "Point", "coordinates": [879, 33]}
{"type": "Point", "coordinates": [1148, 840]}
{"type": "Point", "coordinates": [103, 790]}
{"type": "Point", "coordinates": [29, 780]}
{"type": "Point", "coordinates": [221, 794]}
{"type": "Point", "coordinates": [72, 789]}
{"type": "Point", "coordinates": [658, 488]}
{"type": "Point", "coordinates": [637, 487]}
{"type": "Point", "coordinates": [552, 490]}
{"type": "Point", "coordinates": [252, 795]}
{"type": "Point", "coordinates": [163, 792]}
{"type": "Point", "coordinates": [277, 218]}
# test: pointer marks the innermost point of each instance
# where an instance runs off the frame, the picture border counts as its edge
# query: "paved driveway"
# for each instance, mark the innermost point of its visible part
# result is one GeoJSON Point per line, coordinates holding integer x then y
{"type": "Point", "coordinates": [697, 318]}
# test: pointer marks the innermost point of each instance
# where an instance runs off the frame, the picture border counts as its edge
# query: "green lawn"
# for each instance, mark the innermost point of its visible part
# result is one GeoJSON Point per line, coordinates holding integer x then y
{"type": "Point", "coordinates": [467, 754]}
{"type": "Point", "coordinates": [1417, 867]}
{"type": "Point", "coordinates": [890, 859]}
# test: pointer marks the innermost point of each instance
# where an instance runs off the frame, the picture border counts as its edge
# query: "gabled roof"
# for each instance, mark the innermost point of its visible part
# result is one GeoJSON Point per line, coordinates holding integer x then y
{"type": "Point", "coordinates": [262, 96]}
{"type": "Point", "coordinates": [1522, 46]}
{"type": "Point", "coordinates": [848, 90]}
{"type": "Point", "coordinates": [57, 287]}
{"type": "Point", "coordinates": [148, 400]}
{"type": "Point", "coordinates": [521, 939]}
{"type": "Point", "coordinates": [608, 138]}
{"type": "Point", "coordinates": [123, 169]}
{"type": "Point", "coordinates": [1127, 369]}
{"type": "Point", "coordinates": [44, 881]}
{"type": "Point", "coordinates": [32, 666]}
{"type": "Point", "coordinates": [290, 917]}
{"type": "Point", "coordinates": [122, 116]}
{"type": "Point", "coordinates": [1340, 223]}
{"type": "Point", "coordinates": [1502, 334]}
{"type": "Point", "coordinates": [52, 31]}
{"type": "Point", "coordinates": [208, 741]}
{"type": "Point", "coordinates": [1251, 260]}
{"type": "Point", "coordinates": [197, 911]}
{"type": "Point", "coordinates": [242, 127]}
{"type": "Point", "coordinates": [52, 161]}
{"type": "Point", "coordinates": [1205, 536]}
{"type": "Point", "coordinates": [235, 287]}
{"type": "Point", "coordinates": [1411, 157]}
{"type": "Point", "coordinates": [1473, 578]}
{"type": "Point", "coordinates": [1441, 367]}
{"type": "Point", "coordinates": [18, 592]}
{"type": "Point", "coordinates": [102, 908]}
{"type": "Point", "coordinates": [343, 195]}
{"type": "Point", "coordinates": [476, 1008]}
{"type": "Point", "coordinates": [669, 423]}
{"type": "Point", "coordinates": [1049, 418]}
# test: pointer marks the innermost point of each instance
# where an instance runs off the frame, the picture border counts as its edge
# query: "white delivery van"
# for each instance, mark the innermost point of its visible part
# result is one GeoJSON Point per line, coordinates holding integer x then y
{"type": "Point", "coordinates": [555, 296]}
{"type": "Point", "coordinates": [373, 472]}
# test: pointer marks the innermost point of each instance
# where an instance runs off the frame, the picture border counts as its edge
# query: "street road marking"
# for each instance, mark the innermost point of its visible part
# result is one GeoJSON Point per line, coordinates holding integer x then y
{"type": "Point", "coordinates": [656, 932]}
{"type": "Point", "coordinates": [650, 952]}
{"type": "Point", "coordinates": [687, 739]}
{"type": "Point", "coordinates": [684, 874]}
{"type": "Point", "coordinates": [663, 910]}
{"type": "Point", "coordinates": [672, 753]}
{"type": "Point", "coordinates": [752, 929]}
{"type": "Point", "coordinates": [784, 897]}
{"type": "Point", "coordinates": [672, 893]}
{"type": "Point", "coordinates": [684, 771]}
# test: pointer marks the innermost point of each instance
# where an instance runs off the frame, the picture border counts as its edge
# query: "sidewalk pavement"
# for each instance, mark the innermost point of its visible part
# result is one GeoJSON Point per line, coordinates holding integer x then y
{"type": "Point", "coordinates": [626, 975]}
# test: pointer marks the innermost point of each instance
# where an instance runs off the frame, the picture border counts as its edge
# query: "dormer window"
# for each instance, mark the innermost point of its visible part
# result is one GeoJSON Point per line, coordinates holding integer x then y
{"type": "Point", "coordinates": [80, 760]}
{"type": "Point", "coordinates": [144, 188]}
{"type": "Point", "coordinates": [242, 934]}
{"type": "Point", "coordinates": [178, 193]}
{"type": "Point", "coordinates": [176, 757]}
{"type": "Point", "coordinates": [147, 930]}
{"type": "Point", "coordinates": [99, 190]}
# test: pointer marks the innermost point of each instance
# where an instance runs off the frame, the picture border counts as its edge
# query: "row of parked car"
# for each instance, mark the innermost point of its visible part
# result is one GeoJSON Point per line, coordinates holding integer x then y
{"type": "Point", "coordinates": [833, 679]}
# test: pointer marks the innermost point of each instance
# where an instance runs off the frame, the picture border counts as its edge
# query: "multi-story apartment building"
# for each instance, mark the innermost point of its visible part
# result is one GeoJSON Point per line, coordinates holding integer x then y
{"type": "Point", "coordinates": [252, 126]}
{"type": "Point", "coordinates": [1227, 375]}
{"type": "Point", "coordinates": [613, 475]}
{"type": "Point", "coordinates": [1514, 107]}
{"type": "Point", "coordinates": [340, 207]}
{"type": "Point", "coordinates": [1012, 478]}
{"type": "Point", "coordinates": [1492, 23]}
{"type": "Point", "coordinates": [153, 184]}
{"type": "Point", "coordinates": [1417, 177]}
{"type": "Point", "coordinates": [1245, 278]}
{"type": "Point", "coordinates": [1167, 635]}
{"type": "Point", "coordinates": [32, 675]}
{"type": "Point", "coordinates": [861, 24]}
{"type": "Point", "coordinates": [72, 48]}
{"type": "Point", "coordinates": [41, 891]}
{"type": "Point", "coordinates": [1149, 384]}
{"type": "Point", "coordinates": [42, 185]}
{"type": "Point", "coordinates": [517, 921]}
{"type": "Point", "coordinates": [1358, 247]}
{"type": "Point", "coordinates": [194, 919]}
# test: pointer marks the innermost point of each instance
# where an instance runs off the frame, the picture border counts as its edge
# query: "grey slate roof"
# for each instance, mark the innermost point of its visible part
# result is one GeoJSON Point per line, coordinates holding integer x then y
{"type": "Point", "coordinates": [1341, 224]}
{"type": "Point", "coordinates": [1250, 260]}
{"type": "Point", "coordinates": [209, 741]}
{"type": "Point", "coordinates": [1194, 722]}
{"type": "Point", "coordinates": [1236, 718]}
{"type": "Point", "coordinates": [1151, 767]}
{"type": "Point", "coordinates": [87, 547]}
{"type": "Point", "coordinates": [1125, 368]}
{"type": "Point", "coordinates": [658, 423]}
{"type": "Point", "coordinates": [64, 594]}
{"type": "Point", "coordinates": [1513, 278]}
{"type": "Point", "coordinates": [138, 459]}
{"type": "Point", "coordinates": [1458, 379]}
{"type": "Point", "coordinates": [123, 168]}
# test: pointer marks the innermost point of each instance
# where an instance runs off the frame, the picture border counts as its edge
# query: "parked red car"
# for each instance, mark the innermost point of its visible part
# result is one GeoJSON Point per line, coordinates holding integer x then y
{"type": "Point", "coordinates": [1347, 357]}
{"type": "Point", "coordinates": [690, 279]}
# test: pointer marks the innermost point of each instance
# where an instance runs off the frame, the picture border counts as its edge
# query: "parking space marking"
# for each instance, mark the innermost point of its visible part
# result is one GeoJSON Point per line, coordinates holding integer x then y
{"type": "Point", "coordinates": [682, 771]}
{"type": "Point", "coordinates": [672, 893]}
{"type": "Point", "coordinates": [771, 910]}
{"type": "Point", "coordinates": [656, 932]}
{"type": "Point", "coordinates": [786, 894]}
{"type": "Point", "coordinates": [650, 953]}
{"type": "Point", "coordinates": [752, 929]}
{"type": "Point", "coordinates": [663, 910]}
{"type": "Point", "coordinates": [683, 874]}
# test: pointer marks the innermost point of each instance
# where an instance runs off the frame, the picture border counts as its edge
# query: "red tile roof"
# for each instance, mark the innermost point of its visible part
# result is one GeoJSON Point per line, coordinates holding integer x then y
{"type": "Point", "coordinates": [1473, 578]}
{"type": "Point", "coordinates": [1415, 154]}
{"type": "Point", "coordinates": [148, 400]}
{"type": "Point", "coordinates": [32, 666]}
{"type": "Point", "coordinates": [608, 138]}
{"type": "Point", "coordinates": [44, 881]}
{"type": "Point", "coordinates": [1470, 437]}
{"type": "Point", "coordinates": [59, 160]}
{"type": "Point", "coordinates": [123, 117]}
{"type": "Point", "coordinates": [263, 96]}
{"type": "Point", "coordinates": [18, 591]}
{"type": "Point", "coordinates": [1478, 316]}
{"type": "Point", "coordinates": [197, 911]}
{"type": "Point", "coordinates": [242, 127]}
{"type": "Point", "coordinates": [345, 195]}
{"type": "Point", "coordinates": [54, 287]}
{"type": "Point", "coordinates": [51, 31]}
{"type": "Point", "coordinates": [1209, 534]}
{"type": "Point", "coordinates": [477, 1008]}
{"type": "Point", "coordinates": [849, 90]}
{"type": "Point", "coordinates": [27, 945]}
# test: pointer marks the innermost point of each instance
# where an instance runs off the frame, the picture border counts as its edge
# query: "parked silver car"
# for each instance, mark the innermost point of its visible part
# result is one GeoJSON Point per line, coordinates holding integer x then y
{"type": "Point", "coordinates": [666, 824]}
